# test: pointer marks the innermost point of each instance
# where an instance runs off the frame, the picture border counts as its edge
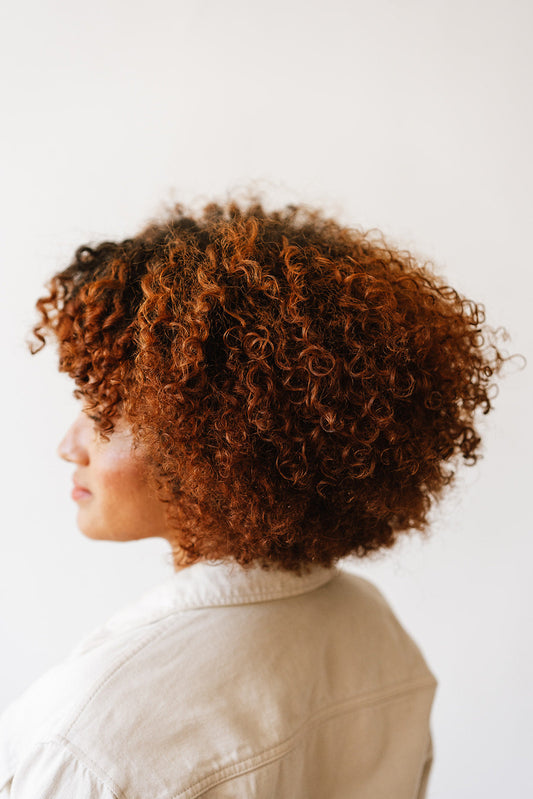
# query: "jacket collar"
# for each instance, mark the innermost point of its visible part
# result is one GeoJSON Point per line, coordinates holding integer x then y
{"type": "Point", "coordinates": [208, 584]}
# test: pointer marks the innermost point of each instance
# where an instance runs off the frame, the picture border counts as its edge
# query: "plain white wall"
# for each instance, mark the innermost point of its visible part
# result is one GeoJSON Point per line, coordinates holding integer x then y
{"type": "Point", "coordinates": [409, 115]}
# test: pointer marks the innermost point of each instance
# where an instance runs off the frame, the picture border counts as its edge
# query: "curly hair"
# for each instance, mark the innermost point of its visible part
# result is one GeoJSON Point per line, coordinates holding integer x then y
{"type": "Point", "coordinates": [302, 388]}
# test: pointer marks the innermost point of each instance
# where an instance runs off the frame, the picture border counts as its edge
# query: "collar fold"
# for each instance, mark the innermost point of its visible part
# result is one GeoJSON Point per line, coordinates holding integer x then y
{"type": "Point", "coordinates": [209, 584]}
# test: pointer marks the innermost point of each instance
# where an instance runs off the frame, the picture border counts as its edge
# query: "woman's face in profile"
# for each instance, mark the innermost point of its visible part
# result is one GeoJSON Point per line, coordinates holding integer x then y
{"type": "Point", "coordinates": [115, 501]}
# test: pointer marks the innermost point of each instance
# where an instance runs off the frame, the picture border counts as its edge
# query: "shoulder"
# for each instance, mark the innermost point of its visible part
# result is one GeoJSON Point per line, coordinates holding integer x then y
{"type": "Point", "coordinates": [206, 688]}
{"type": "Point", "coordinates": [52, 770]}
{"type": "Point", "coordinates": [369, 628]}
{"type": "Point", "coordinates": [227, 683]}
{"type": "Point", "coordinates": [47, 708]}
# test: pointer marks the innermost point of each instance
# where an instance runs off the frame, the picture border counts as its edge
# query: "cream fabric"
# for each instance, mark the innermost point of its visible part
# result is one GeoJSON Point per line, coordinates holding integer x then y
{"type": "Point", "coordinates": [225, 683]}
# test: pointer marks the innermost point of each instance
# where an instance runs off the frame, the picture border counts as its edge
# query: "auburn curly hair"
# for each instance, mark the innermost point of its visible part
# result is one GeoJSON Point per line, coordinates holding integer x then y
{"type": "Point", "coordinates": [302, 388]}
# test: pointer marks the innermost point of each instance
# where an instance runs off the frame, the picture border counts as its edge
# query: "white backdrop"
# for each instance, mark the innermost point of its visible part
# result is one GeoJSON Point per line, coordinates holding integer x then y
{"type": "Point", "coordinates": [408, 115]}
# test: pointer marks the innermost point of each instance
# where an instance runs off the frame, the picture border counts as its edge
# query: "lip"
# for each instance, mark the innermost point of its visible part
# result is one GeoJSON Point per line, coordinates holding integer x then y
{"type": "Point", "coordinates": [79, 491]}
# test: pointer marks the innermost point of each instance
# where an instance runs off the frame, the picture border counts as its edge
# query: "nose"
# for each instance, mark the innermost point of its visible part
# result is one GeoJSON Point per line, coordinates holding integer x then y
{"type": "Point", "coordinates": [72, 447]}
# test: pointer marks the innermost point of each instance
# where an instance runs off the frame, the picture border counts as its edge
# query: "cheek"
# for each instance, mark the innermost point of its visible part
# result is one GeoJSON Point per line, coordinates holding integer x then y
{"type": "Point", "coordinates": [121, 506]}
{"type": "Point", "coordinates": [124, 506]}
{"type": "Point", "coordinates": [126, 486]}
{"type": "Point", "coordinates": [122, 479]}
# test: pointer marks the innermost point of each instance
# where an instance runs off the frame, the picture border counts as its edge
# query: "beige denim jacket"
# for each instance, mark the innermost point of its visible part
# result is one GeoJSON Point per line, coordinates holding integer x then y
{"type": "Point", "coordinates": [226, 682]}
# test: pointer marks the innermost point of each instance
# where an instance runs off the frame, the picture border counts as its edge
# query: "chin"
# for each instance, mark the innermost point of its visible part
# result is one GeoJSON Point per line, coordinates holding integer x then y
{"type": "Point", "coordinates": [98, 534]}
{"type": "Point", "coordinates": [90, 530]}
{"type": "Point", "coordinates": [94, 535]}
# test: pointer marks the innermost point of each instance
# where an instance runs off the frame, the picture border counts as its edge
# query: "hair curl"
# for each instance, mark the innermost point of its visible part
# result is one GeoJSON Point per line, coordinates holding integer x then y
{"type": "Point", "coordinates": [302, 388]}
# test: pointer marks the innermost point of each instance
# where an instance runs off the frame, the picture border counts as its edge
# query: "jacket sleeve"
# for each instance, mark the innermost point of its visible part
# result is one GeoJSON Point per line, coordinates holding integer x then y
{"type": "Point", "coordinates": [52, 771]}
{"type": "Point", "coordinates": [424, 778]}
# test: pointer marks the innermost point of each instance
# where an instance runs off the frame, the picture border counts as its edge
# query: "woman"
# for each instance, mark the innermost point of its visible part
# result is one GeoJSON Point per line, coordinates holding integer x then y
{"type": "Point", "coordinates": [270, 392]}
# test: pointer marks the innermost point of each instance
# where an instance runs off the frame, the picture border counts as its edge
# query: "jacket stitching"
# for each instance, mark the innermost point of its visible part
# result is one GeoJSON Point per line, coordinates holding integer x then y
{"type": "Point", "coordinates": [269, 755]}
{"type": "Point", "coordinates": [277, 751]}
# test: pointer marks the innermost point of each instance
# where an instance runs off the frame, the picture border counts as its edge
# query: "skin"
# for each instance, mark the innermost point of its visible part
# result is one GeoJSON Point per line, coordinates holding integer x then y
{"type": "Point", "coordinates": [121, 505]}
